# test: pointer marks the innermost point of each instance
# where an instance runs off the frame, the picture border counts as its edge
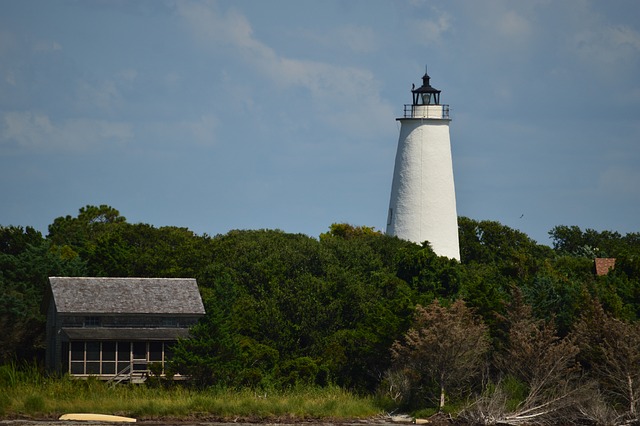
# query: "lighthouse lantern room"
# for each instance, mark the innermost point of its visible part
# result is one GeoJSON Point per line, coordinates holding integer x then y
{"type": "Point", "coordinates": [426, 102]}
{"type": "Point", "coordinates": [425, 94]}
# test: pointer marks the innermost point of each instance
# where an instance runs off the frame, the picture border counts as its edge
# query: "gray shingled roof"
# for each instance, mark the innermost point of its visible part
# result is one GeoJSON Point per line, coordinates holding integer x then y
{"type": "Point", "coordinates": [82, 295]}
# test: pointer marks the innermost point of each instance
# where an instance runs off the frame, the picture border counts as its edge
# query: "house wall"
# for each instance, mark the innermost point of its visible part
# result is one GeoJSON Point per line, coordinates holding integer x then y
{"type": "Point", "coordinates": [53, 360]}
{"type": "Point", "coordinates": [106, 358]}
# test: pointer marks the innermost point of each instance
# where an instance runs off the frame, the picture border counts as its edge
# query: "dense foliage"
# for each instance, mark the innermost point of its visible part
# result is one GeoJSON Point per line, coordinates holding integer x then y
{"type": "Point", "coordinates": [355, 307]}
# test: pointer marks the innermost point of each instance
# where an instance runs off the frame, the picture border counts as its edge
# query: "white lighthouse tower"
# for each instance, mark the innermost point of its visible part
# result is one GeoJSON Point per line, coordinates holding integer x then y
{"type": "Point", "coordinates": [423, 199]}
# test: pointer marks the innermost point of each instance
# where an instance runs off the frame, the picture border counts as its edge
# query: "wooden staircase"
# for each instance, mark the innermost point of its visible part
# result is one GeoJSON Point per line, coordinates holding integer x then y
{"type": "Point", "coordinates": [135, 373]}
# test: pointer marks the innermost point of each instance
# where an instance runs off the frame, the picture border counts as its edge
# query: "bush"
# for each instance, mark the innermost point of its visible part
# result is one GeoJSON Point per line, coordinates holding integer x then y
{"type": "Point", "coordinates": [303, 370]}
{"type": "Point", "coordinates": [34, 404]}
{"type": "Point", "coordinates": [5, 402]}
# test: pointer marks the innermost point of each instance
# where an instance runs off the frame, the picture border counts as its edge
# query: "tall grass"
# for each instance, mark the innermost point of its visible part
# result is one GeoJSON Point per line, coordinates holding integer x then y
{"type": "Point", "coordinates": [28, 393]}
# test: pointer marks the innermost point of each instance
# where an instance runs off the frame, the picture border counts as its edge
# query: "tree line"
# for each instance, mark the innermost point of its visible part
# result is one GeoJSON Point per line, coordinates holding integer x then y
{"type": "Point", "coordinates": [514, 332]}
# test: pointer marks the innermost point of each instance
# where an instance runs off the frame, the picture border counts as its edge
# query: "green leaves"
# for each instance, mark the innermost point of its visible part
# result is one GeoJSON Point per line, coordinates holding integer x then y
{"type": "Point", "coordinates": [591, 243]}
{"type": "Point", "coordinates": [287, 308]}
{"type": "Point", "coordinates": [330, 307]}
{"type": "Point", "coordinates": [26, 262]}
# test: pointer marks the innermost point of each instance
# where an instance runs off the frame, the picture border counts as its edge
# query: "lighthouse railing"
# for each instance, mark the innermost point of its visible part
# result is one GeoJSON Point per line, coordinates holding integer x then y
{"type": "Point", "coordinates": [426, 111]}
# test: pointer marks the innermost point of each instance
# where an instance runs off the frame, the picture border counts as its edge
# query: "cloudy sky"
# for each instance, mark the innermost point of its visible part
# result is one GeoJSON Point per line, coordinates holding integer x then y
{"type": "Point", "coordinates": [220, 115]}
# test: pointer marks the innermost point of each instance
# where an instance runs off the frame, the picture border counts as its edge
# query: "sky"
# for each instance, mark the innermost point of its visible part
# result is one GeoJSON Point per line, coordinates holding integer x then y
{"type": "Point", "coordinates": [252, 114]}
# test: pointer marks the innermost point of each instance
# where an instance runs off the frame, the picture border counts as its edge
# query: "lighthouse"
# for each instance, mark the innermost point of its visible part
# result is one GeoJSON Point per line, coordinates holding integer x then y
{"type": "Point", "coordinates": [423, 200]}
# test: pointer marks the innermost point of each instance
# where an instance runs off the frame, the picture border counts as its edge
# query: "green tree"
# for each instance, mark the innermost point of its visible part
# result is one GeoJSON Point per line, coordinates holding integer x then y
{"type": "Point", "coordinates": [429, 275]}
{"type": "Point", "coordinates": [141, 250]}
{"type": "Point", "coordinates": [331, 306]}
{"type": "Point", "coordinates": [487, 292]}
{"type": "Point", "coordinates": [619, 291]}
{"type": "Point", "coordinates": [80, 231]}
{"type": "Point", "coordinates": [16, 239]}
{"type": "Point", "coordinates": [373, 306]}
{"type": "Point", "coordinates": [26, 262]}
{"type": "Point", "coordinates": [347, 231]}
{"type": "Point", "coordinates": [591, 243]}
{"type": "Point", "coordinates": [555, 297]}
{"type": "Point", "coordinates": [490, 242]}
{"type": "Point", "coordinates": [212, 354]}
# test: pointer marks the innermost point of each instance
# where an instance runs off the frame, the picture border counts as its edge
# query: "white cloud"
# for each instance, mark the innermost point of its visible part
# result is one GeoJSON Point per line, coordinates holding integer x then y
{"type": "Point", "coordinates": [429, 31]}
{"type": "Point", "coordinates": [168, 136]}
{"type": "Point", "coordinates": [47, 46]}
{"type": "Point", "coordinates": [359, 39]}
{"type": "Point", "coordinates": [625, 37]}
{"type": "Point", "coordinates": [333, 89]}
{"type": "Point", "coordinates": [172, 78]}
{"type": "Point", "coordinates": [202, 130]}
{"type": "Point", "coordinates": [10, 78]}
{"type": "Point", "coordinates": [345, 97]}
{"type": "Point", "coordinates": [512, 24]}
{"type": "Point", "coordinates": [323, 80]}
{"type": "Point", "coordinates": [128, 75]}
{"type": "Point", "coordinates": [600, 42]}
{"type": "Point", "coordinates": [347, 39]}
{"type": "Point", "coordinates": [210, 26]}
{"type": "Point", "coordinates": [608, 44]}
{"type": "Point", "coordinates": [104, 95]}
{"type": "Point", "coordinates": [36, 132]}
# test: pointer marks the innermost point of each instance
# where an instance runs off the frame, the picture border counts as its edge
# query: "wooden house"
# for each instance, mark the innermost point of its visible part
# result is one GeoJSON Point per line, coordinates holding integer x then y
{"type": "Point", "coordinates": [114, 328]}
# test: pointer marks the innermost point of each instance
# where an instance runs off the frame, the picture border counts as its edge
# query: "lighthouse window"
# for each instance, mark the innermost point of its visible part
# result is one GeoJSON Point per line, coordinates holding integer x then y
{"type": "Point", "coordinates": [389, 216]}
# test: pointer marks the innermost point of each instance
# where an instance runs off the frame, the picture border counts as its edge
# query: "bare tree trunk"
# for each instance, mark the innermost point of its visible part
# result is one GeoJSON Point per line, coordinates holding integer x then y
{"type": "Point", "coordinates": [632, 399]}
{"type": "Point", "coordinates": [441, 393]}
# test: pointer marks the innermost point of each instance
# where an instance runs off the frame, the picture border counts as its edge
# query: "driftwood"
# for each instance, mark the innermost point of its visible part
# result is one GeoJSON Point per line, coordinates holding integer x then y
{"type": "Point", "coordinates": [584, 404]}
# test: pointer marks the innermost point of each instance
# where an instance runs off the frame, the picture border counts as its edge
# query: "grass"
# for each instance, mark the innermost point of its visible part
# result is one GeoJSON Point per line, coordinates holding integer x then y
{"type": "Point", "coordinates": [27, 393]}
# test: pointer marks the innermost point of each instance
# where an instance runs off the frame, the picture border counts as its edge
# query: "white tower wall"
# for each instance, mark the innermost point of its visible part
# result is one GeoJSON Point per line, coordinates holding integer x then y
{"type": "Point", "coordinates": [423, 202]}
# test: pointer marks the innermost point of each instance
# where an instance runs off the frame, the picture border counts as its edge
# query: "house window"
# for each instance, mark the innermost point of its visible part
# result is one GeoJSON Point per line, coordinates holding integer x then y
{"type": "Point", "coordinates": [92, 321]}
{"type": "Point", "coordinates": [139, 356]}
{"type": "Point", "coordinates": [98, 358]}
{"type": "Point", "coordinates": [111, 358]}
{"type": "Point", "coordinates": [124, 355]}
{"type": "Point", "coordinates": [155, 352]}
{"type": "Point", "coordinates": [93, 357]}
{"type": "Point", "coordinates": [168, 351]}
{"type": "Point", "coordinates": [108, 357]}
{"type": "Point", "coordinates": [77, 358]}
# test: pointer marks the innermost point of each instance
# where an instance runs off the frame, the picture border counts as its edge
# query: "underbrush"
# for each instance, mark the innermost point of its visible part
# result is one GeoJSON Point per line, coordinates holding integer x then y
{"type": "Point", "coordinates": [28, 393]}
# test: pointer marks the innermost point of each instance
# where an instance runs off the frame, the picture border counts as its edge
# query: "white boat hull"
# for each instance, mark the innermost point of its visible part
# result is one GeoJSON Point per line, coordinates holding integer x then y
{"type": "Point", "coordinates": [90, 417]}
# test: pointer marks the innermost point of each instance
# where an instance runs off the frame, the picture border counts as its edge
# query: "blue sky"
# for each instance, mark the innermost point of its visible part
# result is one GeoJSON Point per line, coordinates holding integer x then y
{"type": "Point", "coordinates": [220, 115]}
